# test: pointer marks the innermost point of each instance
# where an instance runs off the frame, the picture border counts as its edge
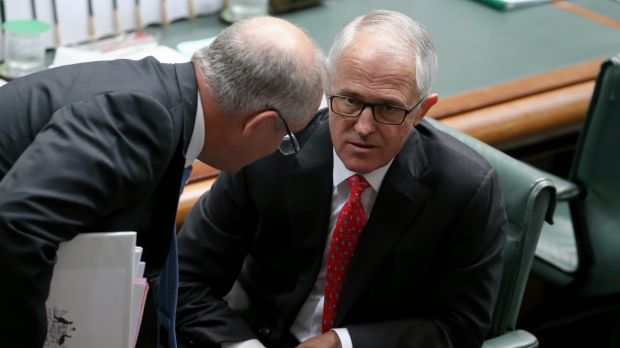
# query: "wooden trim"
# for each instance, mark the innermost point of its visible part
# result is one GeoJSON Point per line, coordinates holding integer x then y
{"type": "Point", "coordinates": [502, 124]}
{"type": "Point", "coordinates": [190, 195]}
{"type": "Point", "coordinates": [516, 89]}
{"type": "Point", "coordinates": [591, 15]}
{"type": "Point", "coordinates": [201, 171]}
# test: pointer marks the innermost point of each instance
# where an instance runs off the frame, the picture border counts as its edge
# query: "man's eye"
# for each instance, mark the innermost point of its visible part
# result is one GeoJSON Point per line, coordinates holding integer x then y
{"type": "Point", "coordinates": [351, 101]}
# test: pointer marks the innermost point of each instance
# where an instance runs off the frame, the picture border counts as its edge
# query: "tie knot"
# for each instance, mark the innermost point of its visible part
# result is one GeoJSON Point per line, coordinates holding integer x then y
{"type": "Point", "coordinates": [358, 184]}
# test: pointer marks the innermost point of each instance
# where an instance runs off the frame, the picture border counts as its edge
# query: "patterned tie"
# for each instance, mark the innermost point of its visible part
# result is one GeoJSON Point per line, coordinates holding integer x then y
{"type": "Point", "coordinates": [349, 225]}
{"type": "Point", "coordinates": [168, 284]}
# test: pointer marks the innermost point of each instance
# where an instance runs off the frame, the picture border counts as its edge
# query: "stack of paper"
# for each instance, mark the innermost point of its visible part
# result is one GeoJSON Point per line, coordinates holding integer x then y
{"type": "Point", "coordinates": [512, 4]}
{"type": "Point", "coordinates": [139, 291]}
{"type": "Point", "coordinates": [95, 300]}
{"type": "Point", "coordinates": [165, 54]}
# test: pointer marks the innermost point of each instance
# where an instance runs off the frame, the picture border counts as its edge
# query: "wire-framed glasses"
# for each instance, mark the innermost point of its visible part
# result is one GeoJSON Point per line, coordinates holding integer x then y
{"type": "Point", "coordinates": [289, 145]}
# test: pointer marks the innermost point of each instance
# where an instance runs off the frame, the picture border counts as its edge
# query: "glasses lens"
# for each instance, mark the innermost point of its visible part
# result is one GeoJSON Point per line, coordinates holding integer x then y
{"type": "Point", "coordinates": [289, 145]}
{"type": "Point", "coordinates": [346, 106]}
{"type": "Point", "coordinates": [389, 114]}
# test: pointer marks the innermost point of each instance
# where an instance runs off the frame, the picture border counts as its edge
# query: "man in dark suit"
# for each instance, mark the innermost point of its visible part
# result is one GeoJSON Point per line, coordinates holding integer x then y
{"type": "Point", "coordinates": [420, 213]}
{"type": "Point", "coordinates": [102, 147]}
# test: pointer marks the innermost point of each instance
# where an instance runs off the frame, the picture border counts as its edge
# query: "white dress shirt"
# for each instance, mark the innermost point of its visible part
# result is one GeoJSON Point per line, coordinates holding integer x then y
{"type": "Point", "coordinates": [197, 140]}
{"type": "Point", "coordinates": [308, 321]}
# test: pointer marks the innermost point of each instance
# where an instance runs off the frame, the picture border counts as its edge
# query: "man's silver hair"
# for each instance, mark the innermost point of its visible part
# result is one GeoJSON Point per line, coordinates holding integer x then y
{"type": "Point", "coordinates": [404, 38]}
{"type": "Point", "coordinates": [246, 75]}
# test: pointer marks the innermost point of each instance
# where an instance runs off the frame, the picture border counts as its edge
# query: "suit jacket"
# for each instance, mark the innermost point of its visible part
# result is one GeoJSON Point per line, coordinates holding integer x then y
{"type": "Point", "coordinates": [425, 273]}
{"type": "Point", "coordinates": [86, 148]}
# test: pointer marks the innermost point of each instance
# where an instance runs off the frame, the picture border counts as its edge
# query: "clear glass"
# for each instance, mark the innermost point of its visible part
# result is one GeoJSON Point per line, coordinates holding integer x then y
{"type": "Point", "coordinates": [23, 53]}
{"type": "Point", "coordinates": [242, 9]}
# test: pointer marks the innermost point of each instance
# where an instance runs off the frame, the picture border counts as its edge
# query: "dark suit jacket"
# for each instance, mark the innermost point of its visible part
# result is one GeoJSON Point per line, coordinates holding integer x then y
{"type": "Point", "coordinates": [86, 148]}
{"type": "Point", "coordinates": [425, 273]}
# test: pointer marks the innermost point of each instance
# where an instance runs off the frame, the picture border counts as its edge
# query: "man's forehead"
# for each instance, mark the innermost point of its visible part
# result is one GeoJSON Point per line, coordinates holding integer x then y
{"type": "Point", "coordinates": [376, 79]}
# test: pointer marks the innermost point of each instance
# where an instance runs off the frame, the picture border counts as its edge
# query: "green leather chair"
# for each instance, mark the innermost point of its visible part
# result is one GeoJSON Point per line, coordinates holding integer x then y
{"type": "Point", "coordinates": [582, 250]}
{"type": "Point", "coordinates": [529, 199]}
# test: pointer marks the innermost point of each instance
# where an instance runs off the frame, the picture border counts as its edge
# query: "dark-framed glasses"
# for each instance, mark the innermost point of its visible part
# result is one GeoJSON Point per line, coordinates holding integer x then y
{"type": "Point", "coordinates": [289, 145]}
{"type": "Point", "coordinates": [382, 113]}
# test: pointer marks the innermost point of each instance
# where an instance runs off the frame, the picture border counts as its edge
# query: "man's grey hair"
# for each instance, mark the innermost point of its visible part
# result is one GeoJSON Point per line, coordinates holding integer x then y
{"type": "Point", "coordinates": [246, 75]}
{"type": "Point", "coordinates": [404, 37]}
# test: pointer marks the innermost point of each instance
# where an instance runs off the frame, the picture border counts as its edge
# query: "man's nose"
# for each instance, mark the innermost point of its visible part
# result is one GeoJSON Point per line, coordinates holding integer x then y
{"type": "Point", "coordinates": [366, 122]}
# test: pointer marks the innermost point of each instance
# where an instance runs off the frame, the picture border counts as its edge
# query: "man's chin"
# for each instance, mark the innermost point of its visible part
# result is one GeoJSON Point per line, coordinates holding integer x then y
{"type": "Point", "coordinates": [359, 166]}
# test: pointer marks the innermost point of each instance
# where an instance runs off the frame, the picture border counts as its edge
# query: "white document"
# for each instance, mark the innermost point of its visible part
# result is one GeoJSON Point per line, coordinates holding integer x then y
{"type": "Point", "coordinates": [151, 11]}
{"type": "Point", "coordinates": [176, 9]}
{"type": "Point", "coordinates": [73, 21]}
{"type": "Point", "coordinates": [103, 14]}
{"type": "Point", "coordinates": [203, 7]}
{"type": "Point", "coordinates": [187, 48]}
{"type": "Point", "coordinates": [90, 301]}
{"type": "Point", "coordinates": [165, 54]}
{"type": "Point", "coordinates": [45, 14]}
{"type": "Point", "coordinates": [17, 9]}
{"type": "Point", "coordinates": [139, 291]}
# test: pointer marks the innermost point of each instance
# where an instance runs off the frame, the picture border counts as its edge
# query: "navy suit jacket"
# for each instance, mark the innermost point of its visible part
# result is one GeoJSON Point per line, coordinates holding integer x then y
{"type": "Point", "coordinates": [425, 273]}
{"type": "Point", "coordinates": [92, 147]}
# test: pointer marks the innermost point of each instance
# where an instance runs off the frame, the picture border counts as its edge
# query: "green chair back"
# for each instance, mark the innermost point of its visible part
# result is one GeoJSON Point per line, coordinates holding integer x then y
{"type": "Point", "coordinates": [529, 198]}
{"type": "Point", "coordinates": [596, 170]}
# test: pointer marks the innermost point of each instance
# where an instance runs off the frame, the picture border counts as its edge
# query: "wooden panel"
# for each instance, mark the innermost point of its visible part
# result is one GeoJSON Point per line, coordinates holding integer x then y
{"type": "Point", "coordinates": [201, 171]}
{"type": "Point", "coordinates": [505, 92]}
{"type": "Point", "coordinates": [553, 111]}
{"type": "Point", "coordinates": [190, 195]}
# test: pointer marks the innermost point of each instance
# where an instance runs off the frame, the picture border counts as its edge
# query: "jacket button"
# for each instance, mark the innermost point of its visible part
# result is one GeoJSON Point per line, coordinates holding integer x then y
{"type": "Point", "coordinates": [264, 331]}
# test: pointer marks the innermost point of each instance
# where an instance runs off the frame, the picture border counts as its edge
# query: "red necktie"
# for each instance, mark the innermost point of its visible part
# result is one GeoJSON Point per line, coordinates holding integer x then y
{"type": "Point", "coordinates": [349, 225]}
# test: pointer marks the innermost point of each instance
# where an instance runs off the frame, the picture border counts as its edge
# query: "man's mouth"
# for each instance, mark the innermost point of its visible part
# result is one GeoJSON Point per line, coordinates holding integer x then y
{"type": "Point", "coordinates": [361, 146]}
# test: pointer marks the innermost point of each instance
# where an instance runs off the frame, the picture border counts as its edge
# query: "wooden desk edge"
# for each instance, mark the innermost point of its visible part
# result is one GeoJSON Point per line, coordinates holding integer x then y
{"type": "Point", "coordinates": [516, 89]}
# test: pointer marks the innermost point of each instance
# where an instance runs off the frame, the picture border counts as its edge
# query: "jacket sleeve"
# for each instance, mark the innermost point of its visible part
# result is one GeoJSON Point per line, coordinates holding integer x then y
{"type": "Point", "coordinates": [213, 243]}
{"type": "Point", "coordinates": [463, 290]}
{"type": "Point", "coordinates": [92, 159]}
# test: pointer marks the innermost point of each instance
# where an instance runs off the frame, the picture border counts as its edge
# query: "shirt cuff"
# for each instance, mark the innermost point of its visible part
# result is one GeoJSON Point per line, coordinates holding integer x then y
{"type": "Point", "coordinates": [253, 343]}
{"type": "Point", "coordinates": [345, 338]}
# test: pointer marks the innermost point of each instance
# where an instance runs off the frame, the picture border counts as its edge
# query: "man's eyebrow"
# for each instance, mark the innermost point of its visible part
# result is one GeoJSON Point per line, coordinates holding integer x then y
{"type": "Point", "coordinates": [355, 95]}
{"type": "Point", "coordinates": [350, 94]}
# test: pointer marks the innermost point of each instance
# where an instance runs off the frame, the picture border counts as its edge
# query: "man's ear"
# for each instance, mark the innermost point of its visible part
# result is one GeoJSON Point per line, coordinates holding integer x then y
{"type": "Point", "coordinates": [427, 104]}
{"type": "Point", "coordinates": [258, 122]}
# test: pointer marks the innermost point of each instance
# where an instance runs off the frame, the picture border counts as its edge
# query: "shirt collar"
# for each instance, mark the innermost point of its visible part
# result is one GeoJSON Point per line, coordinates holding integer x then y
{"type": "Point", "coordinates": [198, 136]}
{"type": "Point", "coordinates": [374, 178]}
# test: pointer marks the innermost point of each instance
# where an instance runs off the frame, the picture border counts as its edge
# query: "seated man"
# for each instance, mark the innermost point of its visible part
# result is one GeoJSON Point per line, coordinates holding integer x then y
{"type": "Point", "coordinates": [380, 232]}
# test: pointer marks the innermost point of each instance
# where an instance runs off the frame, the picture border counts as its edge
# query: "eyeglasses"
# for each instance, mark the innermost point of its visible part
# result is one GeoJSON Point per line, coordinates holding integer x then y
{"type": "Point", "coordinates": [289, 145]}
{"type": "Point", "coordinates": [382, 113]}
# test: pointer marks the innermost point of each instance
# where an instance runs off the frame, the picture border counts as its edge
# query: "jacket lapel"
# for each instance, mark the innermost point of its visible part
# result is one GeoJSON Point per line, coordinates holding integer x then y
{"type": "Point", "coordinates": [401, 198]}
{"type": "Point", "coordinates": [307, 187]}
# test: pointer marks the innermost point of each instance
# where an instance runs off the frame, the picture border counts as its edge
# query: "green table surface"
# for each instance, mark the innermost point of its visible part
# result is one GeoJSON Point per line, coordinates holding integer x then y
{"type": "Point", "coordinates": [477, 45]}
